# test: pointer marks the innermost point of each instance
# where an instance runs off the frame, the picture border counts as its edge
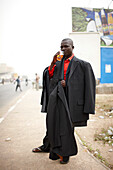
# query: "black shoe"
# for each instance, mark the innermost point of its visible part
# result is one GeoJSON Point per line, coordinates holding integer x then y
{"type": "Point", "coordinates": [64, 160]}
{"type": "Point", "coordinates": [53, 156]}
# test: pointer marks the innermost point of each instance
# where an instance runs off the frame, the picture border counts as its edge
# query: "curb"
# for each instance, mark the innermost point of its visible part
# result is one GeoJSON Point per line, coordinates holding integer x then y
{"type": "Point", "coordinates": [84, 147]}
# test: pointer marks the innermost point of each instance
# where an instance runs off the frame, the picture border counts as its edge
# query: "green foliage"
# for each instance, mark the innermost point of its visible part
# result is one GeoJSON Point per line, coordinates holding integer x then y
{"type": "Point", "coordinates": [79, 22]}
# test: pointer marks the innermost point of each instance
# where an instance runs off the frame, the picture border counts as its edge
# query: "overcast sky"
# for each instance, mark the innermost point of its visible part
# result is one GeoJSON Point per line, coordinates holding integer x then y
{"type": "Point", "coordinates": [31, 30]}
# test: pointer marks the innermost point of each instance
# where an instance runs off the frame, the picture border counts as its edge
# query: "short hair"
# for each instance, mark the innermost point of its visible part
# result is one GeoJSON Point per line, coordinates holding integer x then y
{"type": "Point", "coordinates": [69, 39]}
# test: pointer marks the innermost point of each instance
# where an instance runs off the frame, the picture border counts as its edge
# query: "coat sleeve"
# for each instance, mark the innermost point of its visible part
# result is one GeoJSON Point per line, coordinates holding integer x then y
{"type": "Point", "coordinates": [90, 86]}
{"type": "Point", "coordinates": [45, 91]}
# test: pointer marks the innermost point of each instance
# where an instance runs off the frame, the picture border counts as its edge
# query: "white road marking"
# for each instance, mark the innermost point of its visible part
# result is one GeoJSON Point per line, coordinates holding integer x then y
{"type": "Point", "coordinates": [19, 101]}
{"type": "Point", "coordinates": [12, 107]}
{"type": "Point", "coordinates": [1, 119]}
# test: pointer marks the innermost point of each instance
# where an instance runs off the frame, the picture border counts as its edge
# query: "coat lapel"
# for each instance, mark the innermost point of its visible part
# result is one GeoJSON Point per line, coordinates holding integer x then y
{"type": "Point", "coordinates": [74, 65]}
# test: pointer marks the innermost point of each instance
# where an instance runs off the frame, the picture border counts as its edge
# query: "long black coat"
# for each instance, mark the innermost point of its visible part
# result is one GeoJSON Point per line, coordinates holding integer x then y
{"type": "Point", "coordinates": [60, 129]}
{"type": "Point", "coordinates": [80, 90]}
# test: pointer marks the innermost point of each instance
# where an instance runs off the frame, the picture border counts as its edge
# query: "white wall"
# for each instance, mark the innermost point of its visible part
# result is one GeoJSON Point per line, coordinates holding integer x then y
{"type": "Point", "coordinates": [87, 47]}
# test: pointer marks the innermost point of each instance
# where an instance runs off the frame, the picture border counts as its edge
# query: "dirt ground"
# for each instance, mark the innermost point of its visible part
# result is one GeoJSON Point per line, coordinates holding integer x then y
{"type": "Point", "coordinates": [101, 121]}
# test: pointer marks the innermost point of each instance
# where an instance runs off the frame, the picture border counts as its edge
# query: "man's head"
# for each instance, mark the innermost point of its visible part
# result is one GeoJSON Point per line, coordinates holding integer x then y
{"type": "Point", "coordinates": [67, 47]}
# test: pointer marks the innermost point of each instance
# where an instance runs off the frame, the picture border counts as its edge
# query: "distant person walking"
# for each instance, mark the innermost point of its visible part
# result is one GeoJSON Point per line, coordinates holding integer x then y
{"type": "Point", "coordinates": [3, 81]}
{"type": "Point", "coordinates": [18, 83]}
{"type": "Point", "coordinates": [37, 81]}
{"type": "Point", "coordinates": [26, 80]}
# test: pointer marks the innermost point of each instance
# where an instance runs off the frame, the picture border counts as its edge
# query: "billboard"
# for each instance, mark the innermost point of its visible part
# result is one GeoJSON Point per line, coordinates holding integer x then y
{"type": "Point", "coordinates": [94, 20]}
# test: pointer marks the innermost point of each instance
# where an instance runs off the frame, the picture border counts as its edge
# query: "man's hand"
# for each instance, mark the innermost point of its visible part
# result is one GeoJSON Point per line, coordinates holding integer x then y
{"type": "Point", "coordinates": [63, 83]}
{"type": "Point", "coordinates": [54, 60]}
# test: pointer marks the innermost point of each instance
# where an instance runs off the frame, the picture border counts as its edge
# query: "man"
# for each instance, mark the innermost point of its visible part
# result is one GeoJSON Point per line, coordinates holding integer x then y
{"type": "Point", "coordinates": [68, 98]}
{"type": "Point", "coordinates": [26, 81]}
{"type": "Point", "coordinates": [37, 81]}
{"type": "Point", "coordinates": [18, 84]}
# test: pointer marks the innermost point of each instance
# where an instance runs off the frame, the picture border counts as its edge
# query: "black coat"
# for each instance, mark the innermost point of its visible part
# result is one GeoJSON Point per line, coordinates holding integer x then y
{"type": "Point", "coordinates": [60, 129]}
{"type": "Point", "coordinates": [45, 90]}
{"type": "Point", "coordinates": [80, 90]}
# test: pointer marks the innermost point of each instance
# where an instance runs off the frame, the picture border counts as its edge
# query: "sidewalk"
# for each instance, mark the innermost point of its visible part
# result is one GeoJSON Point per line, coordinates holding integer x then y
{"type": "Point", "coordinates": [23, 129]}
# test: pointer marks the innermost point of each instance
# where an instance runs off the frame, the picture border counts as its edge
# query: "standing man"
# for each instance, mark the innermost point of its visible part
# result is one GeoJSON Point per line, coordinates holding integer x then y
{"type": "Point", "coordinates": [26, 80]}
{"type": "Point", "coordinates": [68, 102]}
{"type": "Point", "coordinates": [18, 84]}
{"type": "Point", "coordinates": [37, 81]}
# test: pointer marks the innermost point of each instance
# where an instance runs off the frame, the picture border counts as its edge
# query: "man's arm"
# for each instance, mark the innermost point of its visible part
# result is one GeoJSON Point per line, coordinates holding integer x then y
{"type": "Point", "coordinates": [54, 60]}
{"type": "Point", "coordinates": [52, 66]}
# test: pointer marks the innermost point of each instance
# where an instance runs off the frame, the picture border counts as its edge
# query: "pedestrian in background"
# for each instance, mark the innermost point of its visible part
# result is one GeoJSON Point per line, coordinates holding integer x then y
{"type": "Point", "coordinates": [37, 81]}
{"type": "Point", "coordinates": [18, 84]}
{"type": "Point", "coordinates": [68, 97]}
{"type": "Point", "coordinates": [3, 81]}
{"type": "Point", "coordinates": [26, 81]}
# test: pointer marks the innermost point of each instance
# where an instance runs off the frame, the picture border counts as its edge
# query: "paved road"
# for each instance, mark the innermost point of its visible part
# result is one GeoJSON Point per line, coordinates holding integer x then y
{"type": "Point", "coordinates": [22, 129]}
{"type": "Point", "coordinates": [8, 96]}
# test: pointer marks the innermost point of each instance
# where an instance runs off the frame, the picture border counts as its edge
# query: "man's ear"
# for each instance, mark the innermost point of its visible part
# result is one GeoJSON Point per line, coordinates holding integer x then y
{"type": "Point", "coordinates": [73, 47]}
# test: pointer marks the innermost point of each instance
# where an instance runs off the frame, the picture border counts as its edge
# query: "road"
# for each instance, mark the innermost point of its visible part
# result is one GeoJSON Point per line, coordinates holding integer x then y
{"type": "Point", "coordinates": [8, 95]}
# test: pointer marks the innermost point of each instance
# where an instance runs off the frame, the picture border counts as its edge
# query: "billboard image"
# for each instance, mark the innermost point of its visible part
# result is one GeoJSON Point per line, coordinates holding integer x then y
{"type": "Point", "coordinates": [94, 20]}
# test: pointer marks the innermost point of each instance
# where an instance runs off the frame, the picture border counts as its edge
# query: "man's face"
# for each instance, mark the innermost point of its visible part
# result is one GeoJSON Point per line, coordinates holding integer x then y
{"type": "Point", "coordinates": [67, 48]}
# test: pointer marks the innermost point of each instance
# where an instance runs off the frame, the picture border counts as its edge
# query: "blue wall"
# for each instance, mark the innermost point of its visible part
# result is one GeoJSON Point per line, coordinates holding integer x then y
{"type": "Point", "coordinates": [106, 65]}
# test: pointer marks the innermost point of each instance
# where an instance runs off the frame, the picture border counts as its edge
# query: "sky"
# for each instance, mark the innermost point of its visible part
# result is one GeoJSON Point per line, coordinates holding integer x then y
{"type": "Point", "coordinates": [31, 31]}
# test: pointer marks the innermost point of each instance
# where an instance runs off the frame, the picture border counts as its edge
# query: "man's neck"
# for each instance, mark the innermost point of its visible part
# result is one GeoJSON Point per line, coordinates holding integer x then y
{"type": "Point", "coordinates": [66, 57]}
